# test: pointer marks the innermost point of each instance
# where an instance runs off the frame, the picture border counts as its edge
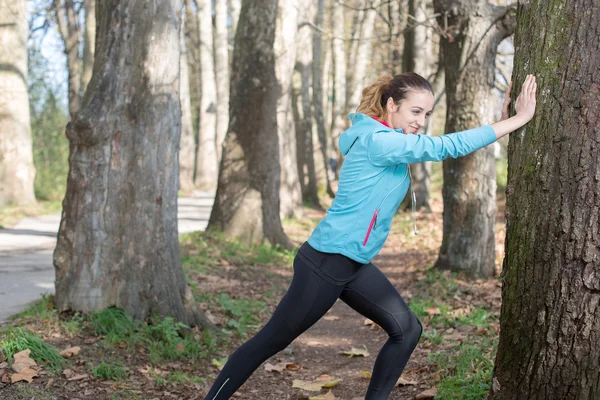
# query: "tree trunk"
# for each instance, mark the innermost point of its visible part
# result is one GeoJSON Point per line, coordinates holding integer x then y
{"type": "Point", "coordinates": [89, 40]}
{"type": "Point", "coordinates": [68, 25]}
{"type": "Point", "coordinates": [397, 11]}
{"type": "Point", "coordinates": [17, 172]}
{"type": "Point", "coordinates": [550, 319]}
{"type": "Point", "coordinates": [208, 148]}
{"type": "Point", "coordinates": [247, 201]}
{"type": "Point", "coordinates": [118, 243]}
{"type": "Point", "coordinates": [187, 148]}
{"type": "Point", "coordinates": [234, 10]}
{"type": "Point", "coordinates": [318, 93]}
{"type": "Point", "coordinates": [285, 55]}
{"type": "Point", "coordinates": [303, 112]}
{"type": "Point", "coordinates": [221, 71]}
{"type": "Point", "coordinates": [469, 191]}
{"type": "Point", "coordinates": [340, 121]}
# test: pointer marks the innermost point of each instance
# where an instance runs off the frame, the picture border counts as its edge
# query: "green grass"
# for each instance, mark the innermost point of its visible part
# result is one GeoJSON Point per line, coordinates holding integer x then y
{"type": "Point", "coordinates": [435, 337]}
{"type": "Point", "coordinates": [15, 340]}
{"type": "Point", "coordinates": [243, 313]}
{"type": "Point", "coordinates": [110, 371]}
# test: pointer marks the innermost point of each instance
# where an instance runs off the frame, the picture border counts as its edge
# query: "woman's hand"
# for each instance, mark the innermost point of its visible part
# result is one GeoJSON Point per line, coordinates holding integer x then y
{"type": "Point", "coordinates": [525, 105]}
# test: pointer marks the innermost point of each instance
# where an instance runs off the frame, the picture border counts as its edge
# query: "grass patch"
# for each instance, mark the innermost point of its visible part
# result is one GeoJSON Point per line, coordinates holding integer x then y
{"type": "Point", "coordinates": [110, 371]}
{"type": "Point", "coordinates": [11, 215]}
{"type": "Point", "coordinates": [243, 313]}
{"type": "Point", "coordinates": [15, 340]}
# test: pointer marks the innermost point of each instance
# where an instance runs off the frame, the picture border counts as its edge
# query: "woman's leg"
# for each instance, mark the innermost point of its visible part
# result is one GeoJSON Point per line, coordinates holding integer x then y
{"type": "Point", "coordinates": [306, 301]}
{"type": "Point", "coordinates": [372, 295]}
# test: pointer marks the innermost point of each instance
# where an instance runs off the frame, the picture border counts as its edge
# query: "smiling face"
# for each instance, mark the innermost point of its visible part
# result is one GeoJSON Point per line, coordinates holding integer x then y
{"type": "Point", "coordinates": [412, 113]}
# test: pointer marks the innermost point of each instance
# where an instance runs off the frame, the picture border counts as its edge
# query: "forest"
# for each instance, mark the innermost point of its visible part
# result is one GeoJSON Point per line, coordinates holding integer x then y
{"type": "Point", "coordinates": [186, 150]}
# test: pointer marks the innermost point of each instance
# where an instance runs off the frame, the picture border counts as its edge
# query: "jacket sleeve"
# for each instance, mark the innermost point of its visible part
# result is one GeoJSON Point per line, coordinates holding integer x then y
{"type": "Point", "coordinates": [389, 147]}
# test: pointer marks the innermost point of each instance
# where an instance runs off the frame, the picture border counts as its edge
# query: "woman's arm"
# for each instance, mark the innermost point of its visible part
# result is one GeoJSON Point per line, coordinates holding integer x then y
{"type": "Point", "coordinates": [525, 108]}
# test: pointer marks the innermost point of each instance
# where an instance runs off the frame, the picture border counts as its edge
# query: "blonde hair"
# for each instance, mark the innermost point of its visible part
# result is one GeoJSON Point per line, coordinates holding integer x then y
{"type": "Point", "coordinates": [375, 97]}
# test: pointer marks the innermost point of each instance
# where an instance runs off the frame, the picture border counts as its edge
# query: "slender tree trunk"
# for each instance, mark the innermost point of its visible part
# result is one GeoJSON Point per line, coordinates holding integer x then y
{"type": "Point", "coordinates": [118, 243]}
{"type": "Point", "coordinates": [208, 147]}
{"type": "Point", "coordinates": [550, 319]}
{"type": "Point", "coordinates": [469, 191]}
{"type": "Point", "coordinates": [303, 114]}
{"type": "Point", "coordinates": [17, 172]}
{"type": "Point", "coordinates": [340, 121]}
{"type": "Point", "coordinates": [221, 71]}
{"type": "Point", "coordinates": [68, 25]}
{"type": "Point", "coordinates": [318, 93]}
{"type": "Point", "coordinates": [397, 11]}
{"type": "Point", "coordinates": [363, 50]}
{"type": "Point", "coordinates": [285, 56]}
{"type": "Point", "coordinates": [89, 40]}
{"type": "Point", "coordinates": [187, 147]}
{"type": "Point", "coordinates": [234, 10]}
{"type": "Point", "coordinates": [247, 200]}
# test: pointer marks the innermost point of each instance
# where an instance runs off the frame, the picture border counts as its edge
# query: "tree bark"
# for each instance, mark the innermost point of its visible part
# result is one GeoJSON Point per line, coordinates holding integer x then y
{"type": "Point", "coordinates": [550, 319]}
{"type": "Point", "coordinates": [234, 10]}
{"type": "Point", "coordinates": [69, 29]}
{"type": "Point", "coordinates": [469, 191]}
{"type": "Point", "coordinates": [221, 71]}
{"type": "Point", "coordinates": [339, 120]}
{"type": "Point", "coordinates": [17, 172]}
{"type": "Point", "coordinates": [247, 201]}
{"type": "Point", "coordinates": [208, 148]}
{"type": "Point", "coordinates": [118, 240]}
{"type": "Point", "coordinates": [187, 148]}
{"type": "Point", "coordinates": [285, 55]}
{"type": "Point", "coordinates": [89, 41]}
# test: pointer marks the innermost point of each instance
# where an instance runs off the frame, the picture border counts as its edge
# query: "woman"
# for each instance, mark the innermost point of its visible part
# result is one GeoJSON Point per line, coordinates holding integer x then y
{"type": "Point", "coordinates": [335, 262]}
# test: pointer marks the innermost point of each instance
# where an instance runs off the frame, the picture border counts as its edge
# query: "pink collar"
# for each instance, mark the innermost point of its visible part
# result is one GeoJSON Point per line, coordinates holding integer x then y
{"type": "Point", "coordinates": [381, 121]}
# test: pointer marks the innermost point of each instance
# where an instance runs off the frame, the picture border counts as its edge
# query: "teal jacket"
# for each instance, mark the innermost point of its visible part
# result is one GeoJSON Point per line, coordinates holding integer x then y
{"type": "Point", "coordinates": [375, 178]}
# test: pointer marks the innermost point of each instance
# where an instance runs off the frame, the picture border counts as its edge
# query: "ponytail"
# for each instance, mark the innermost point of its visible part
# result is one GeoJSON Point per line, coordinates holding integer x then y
{"type": "Point", "coordinates": [370, 103]}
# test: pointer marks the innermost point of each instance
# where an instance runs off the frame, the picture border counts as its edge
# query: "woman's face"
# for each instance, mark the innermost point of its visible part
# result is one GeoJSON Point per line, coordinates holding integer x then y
{"type": "Point", "coordinates": [412, 113]}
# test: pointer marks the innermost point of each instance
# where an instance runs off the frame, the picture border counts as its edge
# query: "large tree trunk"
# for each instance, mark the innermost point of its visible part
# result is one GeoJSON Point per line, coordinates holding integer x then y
{"type": "Point", "coordinates": [469, 191]}
{"type": "Point", "coordinates": [89, 40]}
{"type": "Point", "coordinates": [303, 111]}
{"type": "Point", "coordinates": [118, 241]}
{"type": "Point", "coordinates": [318, 94]}
{"type": "Point", "coordinates": [221, 71]}
{"type": "Point", "coordinates": [16, 157]}
{"type": "Point", "coordinates": [187, 150]}
{"type": "Point", "coordinates": [208, 148]}
{"type": "Point", "coordinates": [550, 319]}
{"type": "Point", "coordinates": [285, 55]}
{"type": "Point", "coordinates": [247, 201]}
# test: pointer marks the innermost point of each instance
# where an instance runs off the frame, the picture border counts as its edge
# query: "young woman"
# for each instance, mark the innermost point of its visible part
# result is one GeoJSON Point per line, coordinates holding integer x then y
{"type": "Point", "coordinates": [335, 262]}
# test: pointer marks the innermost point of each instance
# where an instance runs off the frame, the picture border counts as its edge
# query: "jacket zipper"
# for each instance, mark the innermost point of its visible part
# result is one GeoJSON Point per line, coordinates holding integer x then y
{"type": "Point", "coordinates": [373, 223]}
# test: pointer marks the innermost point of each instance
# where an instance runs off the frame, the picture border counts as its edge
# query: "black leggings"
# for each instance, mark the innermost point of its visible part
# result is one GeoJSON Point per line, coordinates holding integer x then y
{"type": "Point", "coordinates": [319, 280]}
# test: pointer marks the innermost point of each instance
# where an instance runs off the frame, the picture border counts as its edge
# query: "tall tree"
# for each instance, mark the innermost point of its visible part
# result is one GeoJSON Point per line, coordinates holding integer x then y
{"type": "Point", "coordinates": [16, 157]}
{"type": "Point", "coordinates": [221, 70]}
{"type": "Point", "coordinates": [234, 11]}
{"type": "Point", "coordinates": [339, 120]}
{"type": "Point", "coordinates": [285, 56]}
{"type": "Point", "coordinates": [550, 319]}
{"type": "Point", "coordinates": [207, 156]}
{"type": "Point", "coordinates": [89, 40]}
{"type": "Point", "coordinates": [247, 200]}
{"type": "Point", "coordinates": [469, 192]}
{"type": "Point", "coordinates": [118, 243]}
{"type": "Point", "coordinates": [187, 146]}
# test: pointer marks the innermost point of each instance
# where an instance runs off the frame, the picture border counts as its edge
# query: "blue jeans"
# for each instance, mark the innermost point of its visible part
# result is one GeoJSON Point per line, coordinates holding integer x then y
{"type": "Point", "coordinates": [319, 280]}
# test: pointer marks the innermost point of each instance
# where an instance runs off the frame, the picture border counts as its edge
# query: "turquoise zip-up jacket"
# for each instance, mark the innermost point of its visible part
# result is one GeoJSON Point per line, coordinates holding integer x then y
{"type": "Point", "coordinates": [375, 178]}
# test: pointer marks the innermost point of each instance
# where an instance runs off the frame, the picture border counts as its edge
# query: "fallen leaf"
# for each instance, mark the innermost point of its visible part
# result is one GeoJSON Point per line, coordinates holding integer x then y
{"type": "Point", "coordinates": [355, 352]}
{"type": "Point", "coordinates": [366, 374]}
{"type": "Point", "coordinates": [26, 374]}
{"type": "Point", "coordinates": [70, 352]}
{"type": "Point", "coordinates": [3, 365]}
{"type": "Point", "coordinates": [433, 311]}
{"type": "Point", "coordinates": [78, 377]}
{"type": "Point", "coordinates": [368, 322]}
{"type": "Point", "coordinates": [405, 382]}
{"type": "Point", "coordinates": [331, 317]}
{"type": "Point", "coordinates": [67, 373]}
{"type": "Point", "coordinates": [49, 383]}
{"type": "Point", "coordinates": [220, 363]}
{"type": "Point", "coordinates": [22, 361]}
{"type": "Point", "coordinates": [293, 367]}
{"type": "Point", "coordinates": [328, 396]}
{"type": "Point", "coordinates": [282, 366]}
{"type": "Point", "coordinates": [427, 394]}
{"type": "Point", "coordinates": [324, 381]}
{"type": "Point", "coordinates": [180, 347]}
{"type": "Point", "coordinates": [5, 378]}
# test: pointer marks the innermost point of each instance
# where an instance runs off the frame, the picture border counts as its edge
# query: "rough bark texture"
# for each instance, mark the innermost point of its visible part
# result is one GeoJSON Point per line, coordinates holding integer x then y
{"type": "Point", "coordinates": [221, 71]}
{"type": "Point", "coordinates": [187, 148]}
{"type": "Point", "coordinates": [208, 148]}
{"type": "Point", "coordinates": [285, 56]}
{"type": "Point", "coordinates": [118, 241]}
{"type": "Point", "coordinates": [247, 201]}
{"type": "Point", "coordinates": [318, 94]}
{"type": "Point", "coordinates": [550, 319]}
{"type": "Point", "coordinates": [303, 115]}
{"type": "Point", "coordinates": [89, 41]}
{"type": "Point", "coordinates": [469, 191]}
{"type": "Point", "coordinates": [16, 158]}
